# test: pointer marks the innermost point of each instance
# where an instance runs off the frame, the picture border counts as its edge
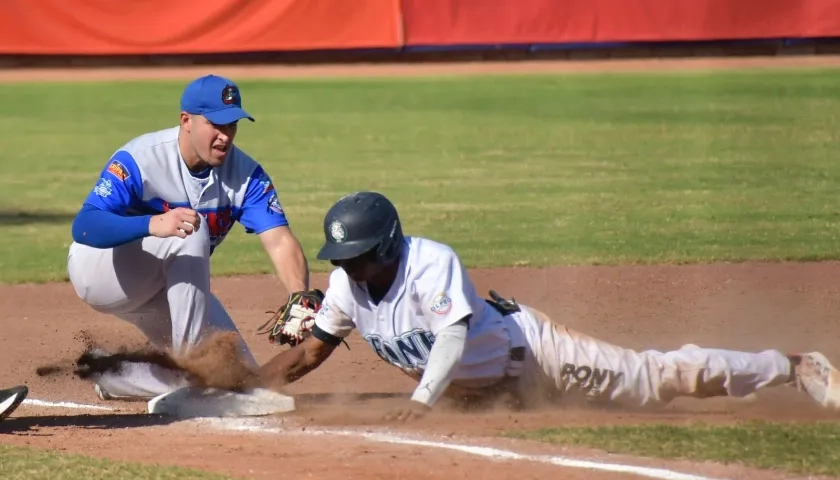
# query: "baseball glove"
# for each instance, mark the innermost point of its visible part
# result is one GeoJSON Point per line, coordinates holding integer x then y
{"type": "Point", "coordinates": [292, 322]}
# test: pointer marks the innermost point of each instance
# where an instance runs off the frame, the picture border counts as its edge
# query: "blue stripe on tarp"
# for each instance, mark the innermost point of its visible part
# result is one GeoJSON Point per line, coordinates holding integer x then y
{"type": "Point", "coordinates": [537, 47]}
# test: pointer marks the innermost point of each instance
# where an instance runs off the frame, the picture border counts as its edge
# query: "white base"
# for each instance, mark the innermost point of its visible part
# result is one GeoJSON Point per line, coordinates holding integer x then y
{"type": "Point", "coordinates": [191, 402]}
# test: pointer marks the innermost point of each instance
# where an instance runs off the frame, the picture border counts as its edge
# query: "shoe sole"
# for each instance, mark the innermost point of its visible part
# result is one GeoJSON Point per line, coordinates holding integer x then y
{"type": "Point", "coordinates": [12, 398]}
{"type": "Point", "coordinates": [105, 396]}
{"type": "Point", "coordinates": [832, 394]}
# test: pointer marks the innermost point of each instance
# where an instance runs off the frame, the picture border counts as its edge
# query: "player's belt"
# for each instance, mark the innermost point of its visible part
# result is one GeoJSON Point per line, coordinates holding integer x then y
{"type": "Point", "coordinates": [517, 347]}
{"type": "Point", "coordinates": [506, 309]}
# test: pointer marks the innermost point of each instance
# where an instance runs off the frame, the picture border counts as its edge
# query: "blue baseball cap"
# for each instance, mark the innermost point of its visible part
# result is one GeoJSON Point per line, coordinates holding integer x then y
{"type": "Point", "coordinates": [217, 98]}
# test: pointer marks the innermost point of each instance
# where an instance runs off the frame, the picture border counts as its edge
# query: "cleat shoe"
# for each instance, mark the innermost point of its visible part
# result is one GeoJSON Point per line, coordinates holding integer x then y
{"type": "Point", "coordinates": [101, 393]}
{"type": "Point", "coordinates": [11, 398]}
{"type": "Point", "coordinates": [104, 395]}
{"type": "Point", "coordinates": [814, 375]}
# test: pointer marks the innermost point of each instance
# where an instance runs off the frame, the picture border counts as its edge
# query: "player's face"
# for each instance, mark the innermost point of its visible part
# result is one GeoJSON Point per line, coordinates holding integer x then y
{"type": "Point", "coordinates": [360, 269]}
{"type": "Point", "coordinates": [211, 142]}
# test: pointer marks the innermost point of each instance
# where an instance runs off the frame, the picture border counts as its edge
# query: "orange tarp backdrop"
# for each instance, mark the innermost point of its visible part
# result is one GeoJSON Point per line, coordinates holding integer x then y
{"type": "Point", "coordinates": [205, 26]}
{"type": "Point", "coordinates": [450, 22]}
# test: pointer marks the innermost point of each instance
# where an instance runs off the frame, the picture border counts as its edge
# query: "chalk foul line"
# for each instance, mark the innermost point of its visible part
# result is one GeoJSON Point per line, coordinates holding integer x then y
{"type": "Point", "coordinates": [70, 405]}
{"type": "Point", "coordinates": [252, 426]}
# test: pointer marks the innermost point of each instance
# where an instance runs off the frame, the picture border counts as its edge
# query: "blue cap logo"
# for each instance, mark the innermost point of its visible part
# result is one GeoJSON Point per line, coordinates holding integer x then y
{"type": "Point", "coordinates": [216, 98]}
{"type": "Point", "coordinates": [231, 95]}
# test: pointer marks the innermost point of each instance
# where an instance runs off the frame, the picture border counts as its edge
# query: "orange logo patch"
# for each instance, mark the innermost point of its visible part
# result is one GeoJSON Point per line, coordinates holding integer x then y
{"type": "Point", "coordinates": [118, 170]}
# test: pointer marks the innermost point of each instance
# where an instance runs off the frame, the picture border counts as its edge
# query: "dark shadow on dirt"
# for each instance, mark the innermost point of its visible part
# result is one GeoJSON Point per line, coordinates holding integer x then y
{"type": "Point", "coordinates": [332, 398]}
{"type": "Point", "coordinates": [31, 425]}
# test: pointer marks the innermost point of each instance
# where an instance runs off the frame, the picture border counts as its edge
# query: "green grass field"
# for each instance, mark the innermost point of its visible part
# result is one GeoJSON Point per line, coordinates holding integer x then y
{"type": "Point", "coordinates": [510, 170]}
{"type": "Point", "coordinates": [805, 449]}
{"type": "Point", "coordinates": [35, 464]}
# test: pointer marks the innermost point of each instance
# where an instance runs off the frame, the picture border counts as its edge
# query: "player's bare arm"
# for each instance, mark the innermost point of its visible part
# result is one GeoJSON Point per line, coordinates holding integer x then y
{"type": "Point", "coordinates": [288, 258]}
{"type": "Point", "coordinates": [294, 363]}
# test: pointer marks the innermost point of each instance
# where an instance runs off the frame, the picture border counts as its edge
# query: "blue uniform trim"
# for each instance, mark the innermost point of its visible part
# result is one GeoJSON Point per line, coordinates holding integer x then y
{"type": "Point", "coordinates": [106, 218]}
{"type": "Point", "coordinates": [261, 209]}
{"type": "Point", "coordinates": [202, 174]}
{"type": "Point", "coordinates": [115, 212]}
{"type": "Point", "coordinates": [103, 229]}
{"type": "Point", "coordinates": [120, 186]}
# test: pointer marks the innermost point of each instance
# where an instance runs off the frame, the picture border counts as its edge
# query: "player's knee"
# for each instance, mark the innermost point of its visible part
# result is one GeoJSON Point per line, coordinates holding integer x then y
{"type": "Point", "coordinates": [196, 244]}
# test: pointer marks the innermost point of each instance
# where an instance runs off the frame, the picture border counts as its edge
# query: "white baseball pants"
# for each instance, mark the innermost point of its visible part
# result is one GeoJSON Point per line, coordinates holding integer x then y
{"type": "Point", "coordinates": [162, 287]}
{"type": "Point", "coordinates": [566, 360]}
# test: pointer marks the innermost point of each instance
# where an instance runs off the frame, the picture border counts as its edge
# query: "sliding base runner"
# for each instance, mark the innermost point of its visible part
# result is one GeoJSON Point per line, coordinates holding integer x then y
{"type": "Point", "coordinates": [192, 402]}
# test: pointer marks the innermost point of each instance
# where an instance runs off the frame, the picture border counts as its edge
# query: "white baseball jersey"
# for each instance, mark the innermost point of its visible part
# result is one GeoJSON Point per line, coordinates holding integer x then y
{"type": "Point", "coordinates": [432, 291]}
{"type": "Point", "coordinates": [148, 176]}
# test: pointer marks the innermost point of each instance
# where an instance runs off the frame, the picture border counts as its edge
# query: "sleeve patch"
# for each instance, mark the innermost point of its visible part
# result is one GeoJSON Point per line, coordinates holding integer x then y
{"type": "Point", "coordinates": [441, 304]}
{"type": "Point", "coordinates": [103, 188]}
{"type": "Point", "coordinates": [118, 170]}
{"type": "Point", "coordinates": [261, 207]}
{"type": "Point", "coordinates": [274, 203]}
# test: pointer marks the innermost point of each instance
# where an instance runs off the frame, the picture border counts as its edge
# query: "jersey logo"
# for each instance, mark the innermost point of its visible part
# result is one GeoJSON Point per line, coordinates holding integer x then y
{"type": "Point", "coordinates": [274, 204]}
{"type": "Point", "coordinates": [103, 188]}
{"type": "Point", "coordinates": [219, 222]}
{"type": "Point", "coordinates": [409, 350]}
{"type": "Point", "coordinates": [441, 304]}
{"type": "Point", "coordinates": [118, 170]}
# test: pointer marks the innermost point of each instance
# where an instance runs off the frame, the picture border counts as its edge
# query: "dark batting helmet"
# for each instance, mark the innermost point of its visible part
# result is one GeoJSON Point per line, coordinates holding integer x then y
{"type": "Point", "coordinates": [359, 223]}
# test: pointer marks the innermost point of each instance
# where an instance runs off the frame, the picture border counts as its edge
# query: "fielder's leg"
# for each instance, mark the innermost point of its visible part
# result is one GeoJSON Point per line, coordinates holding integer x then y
{"type": "Point", "coordinates": [603, 371]}
{"type": "Point", "coordinates": [162, 286]}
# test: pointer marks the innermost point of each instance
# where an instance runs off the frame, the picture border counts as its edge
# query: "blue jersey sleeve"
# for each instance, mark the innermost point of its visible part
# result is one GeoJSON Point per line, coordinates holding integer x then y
{"type": "Point", "coordinates": [119, 186]}
{"type": "Point", "coordinates": [102, 221]}
{"type": "Point", "coordinates": [103, 229]}
{"type": "Point", "coordinates": [261, 209]}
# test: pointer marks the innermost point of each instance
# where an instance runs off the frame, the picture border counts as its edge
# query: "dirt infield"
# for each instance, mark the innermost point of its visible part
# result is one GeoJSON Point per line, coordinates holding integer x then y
{"type": "Point", "coordinates": [414, 69]}
{"type": "Point", "coordinates": [748, 306]}
{"type": "Point", "coordinates": [791, 307]}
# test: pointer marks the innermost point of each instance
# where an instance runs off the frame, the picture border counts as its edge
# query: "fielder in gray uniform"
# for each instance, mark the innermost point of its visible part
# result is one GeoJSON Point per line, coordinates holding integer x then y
{"type": "Point", "coordinates": [162, 204]}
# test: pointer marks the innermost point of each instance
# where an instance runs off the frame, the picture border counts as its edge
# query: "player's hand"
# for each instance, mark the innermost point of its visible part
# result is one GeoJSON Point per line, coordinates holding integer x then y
{"type": "Point", "coordinates": [178, 222]}
{"type": "Point", "coordinates": [409, 411]}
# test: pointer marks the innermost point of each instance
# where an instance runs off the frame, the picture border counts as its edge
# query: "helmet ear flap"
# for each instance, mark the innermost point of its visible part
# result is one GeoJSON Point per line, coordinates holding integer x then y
{"type": "Point", "coordinates": [388, 251]}
{"type": "Point", "coordinates": [391, 246]}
